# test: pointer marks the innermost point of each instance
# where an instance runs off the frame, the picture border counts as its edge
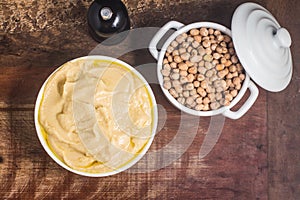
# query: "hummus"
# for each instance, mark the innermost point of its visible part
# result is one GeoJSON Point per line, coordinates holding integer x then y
{"type": "Point", "coordinates": [96, 116]}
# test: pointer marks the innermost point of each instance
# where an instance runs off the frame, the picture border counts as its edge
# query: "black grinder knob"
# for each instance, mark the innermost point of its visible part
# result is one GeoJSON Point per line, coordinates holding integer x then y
{"type": "Point", "coordinates": [107, 18]}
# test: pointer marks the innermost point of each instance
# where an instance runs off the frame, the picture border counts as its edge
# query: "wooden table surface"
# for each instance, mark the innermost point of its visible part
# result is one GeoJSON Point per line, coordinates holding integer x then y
{"type": "Point", "coordinates": [256, 157]}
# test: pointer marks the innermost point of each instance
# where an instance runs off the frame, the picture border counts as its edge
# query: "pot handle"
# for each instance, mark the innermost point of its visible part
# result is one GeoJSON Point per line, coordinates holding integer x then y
{"type": "Point", "coordinates": [153, 44]}
{"type": "Point", "coordinates": [247, 105]}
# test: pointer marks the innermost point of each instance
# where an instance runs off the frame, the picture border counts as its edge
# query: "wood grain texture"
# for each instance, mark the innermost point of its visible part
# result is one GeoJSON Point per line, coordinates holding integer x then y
{"type": "Point", "coordinates": [284, 115]}
{"type": "Point", "coordinates": [257, 157]}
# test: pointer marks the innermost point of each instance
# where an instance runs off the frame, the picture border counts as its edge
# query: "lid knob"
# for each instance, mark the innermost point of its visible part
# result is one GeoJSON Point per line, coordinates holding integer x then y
{"type": "Point", "coordinates": [283, 38]}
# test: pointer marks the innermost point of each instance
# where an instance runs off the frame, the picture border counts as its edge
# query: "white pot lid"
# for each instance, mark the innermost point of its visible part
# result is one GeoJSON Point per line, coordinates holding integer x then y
{"type": "Point", "coordinates": [263, 46]}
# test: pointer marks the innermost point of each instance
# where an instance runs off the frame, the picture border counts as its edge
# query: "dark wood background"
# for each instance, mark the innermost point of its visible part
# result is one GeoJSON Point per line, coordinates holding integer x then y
{"type": "Point", "coordinates": [257, 156]}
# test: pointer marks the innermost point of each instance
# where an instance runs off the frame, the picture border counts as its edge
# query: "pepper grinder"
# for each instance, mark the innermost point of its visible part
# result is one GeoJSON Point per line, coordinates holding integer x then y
{"type": "Point", "coordinates": [107, 18]}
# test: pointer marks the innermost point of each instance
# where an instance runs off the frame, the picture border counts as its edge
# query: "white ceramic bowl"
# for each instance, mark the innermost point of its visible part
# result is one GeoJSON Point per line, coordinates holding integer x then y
{"type": "Point", "coordinates": [159, 56]}
{"type": "Point", "coordinates": [129, 164]}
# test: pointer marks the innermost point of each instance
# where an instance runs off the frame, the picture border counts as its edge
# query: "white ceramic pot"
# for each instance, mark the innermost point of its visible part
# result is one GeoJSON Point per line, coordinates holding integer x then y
{"type": "Point", "coordinates": [159, 56]}
{"type": "Point", "coordinates": [45, 144]}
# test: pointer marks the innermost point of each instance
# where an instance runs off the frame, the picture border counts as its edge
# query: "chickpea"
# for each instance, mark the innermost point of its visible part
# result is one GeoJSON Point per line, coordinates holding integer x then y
{"type": "Point", "coordinates": [173, 92]}
{"type": "Point", "coordinates": [179, 89]}
{"type": "Point", "coordinates": [167, 85]}
{"type": "Point", "coordinates": [206, 100]}
{"type": "Point", "coordinates": [220, 67]}
{"type": "Point", "coordinates": [194, 52]}
{"type": "Point", "coordinates": [196, 59]}
{"type": "Point", "coordinates": [201, 51]}
{"type": "Point", "coordinates": [219, 90]}
{"type": "Point", "coordinates": [234, 59]}
{"type": "Point", "coordinates": [210, 89]}
{"type": "Point", "coordinates": [227, 39]}
{"type": "Point", "coordinates": [206, 107]}
{"type": "Point", "coordinates": [199, 107]}
{"type": "Point", "coordinates": [195, 44]}
{"type": "Point", "coordinates": [217, 32]}
{"type": "Point", "coordinates": [175, 76]}
{"type": "Point", "coordinates": [208, 58]}
{"type": "Point", "coordinates": [220, 38]}
{"type": "Point", "coordinates": [183, 73]}
{"type": "Point", "coordinates": [167, 67]}
{"type": "Point", "coordinates": [173, 65]}
{"type": "Point", "coordinates": [208, 65]}
{"type": "Point", "coordinates": [189, 64]}
{"type": "Point", "coordinates": [236, 81]}
{"type": "Point", "coordinates": [190, 78]}
{"type": "Point", "coordinates": [231, 51]}
{"type": "Point", "coordinates": [212, 97]}
{"type": "Point", "coordinates": [213, 47]}
{"type": "Point", "coordinates": [223, 44]}
{"type": "Point", "coordinates": [228, 63]}
{"type": "Point", "coordinates": [177, 59]}
{"type": "Point", "coordinates": [213, 78]}
{"type": "Point", "coordinates": [218, 96]}
{"type": "Point", "coordinates": [235, 74]}
{"type": "Point", "coordinates": [204, 84]}
{"type": "Point", "coordinates": [209, 73]}
{"type": "Point", "coordinates": [186, 93]}
{"type": "Point", "coordinates": [185, 56]}
{"type": "Point", "coordinates": [181, 100]}
{"type": "Point", "coordinates": [232, 68]}
{"type": "Point", "coordinates": [233, 93]}
{"type": "Point", "coordinates": [175, 70]}
{"type": "Point", "coordinates": [199, 100]}
{"type": "Point", "coordinates": [176, 83]}
{"type": "Point", "coordinates": [227, 56]}
{"type": "Point", "coordinates": [190, 39]}
{"type": "Point", "coordinates": [242, 77]}
{"type": "Point", "coordinates": [174, 44]}
{"type": "Point", "coordinates": [189, 49]}
{"type": "Point", "coordinates": [238, 87]}
{"type": "Point", "coordinates": [194, 32]}
{"type": "Point", "coordinates": [219, 50]}
{"type": "Point", "coordinates": [217, 56]}
{"type": "Point", "coordinates": [229, 76]}
{"type": "Point", "coordinates": [202, 70]}
{"type": "Point", "coordinates": [170, 49]}
{"type": "Point", "coordinates": [223, 73]}
{"type": "Point", "coordinates": [183, 66]}
{"type": "Point", "coordinates": [203, 31]}
{"type": "Point", "coordinates": [165, 61]}
{"type": "Point", "coordinates": [193, 92]}
{"type": "Point", "coordinates": [175, 53]}
{"type": "Point", "coordinates": [185, 45]}
{"type": "Point", "coordinates": [180, 38]}
{"type": "Point", "coordinates": [201, 91]}
{"type": "Point", "coordinates": [215, 62]}
{"type": "Point", "coordinates": [208, 51]}
{"type": "Point", "coordinates": [201, 63]}
{"type": "Point", "coordinates": [166, 78]}
{"type": "Point", "coordinates": [181, 50]}
{"type": "Point", "coordinates": [228, 97]}
{"type": "Point", "coordinates": [224, 50]}
{"type": "Point", "coordinates": [183, 80]}
{"type": "Point", "coordinates": [206, 43]}
{"type": "Point", "coordinates": [165, 72]}
{"type": "Point", "coordinates": [192, 70]}
{"type": "Point", "coordinates": [239, 67]}
{"type": "Point", "coordinates": [200, 77]}
{"type": "Point", "coordinates": [197, 38]}
{"type": "Point", "coordinates": [214, 105]}
{"type": "Point", "coordinates": [189, 100]}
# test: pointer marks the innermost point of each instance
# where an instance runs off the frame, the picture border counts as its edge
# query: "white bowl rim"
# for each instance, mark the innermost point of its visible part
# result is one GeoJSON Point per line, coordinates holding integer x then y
{"type": "Point", "coordinates": [181, 107]}
{"type": "Point", "coordinates": [127, 165]}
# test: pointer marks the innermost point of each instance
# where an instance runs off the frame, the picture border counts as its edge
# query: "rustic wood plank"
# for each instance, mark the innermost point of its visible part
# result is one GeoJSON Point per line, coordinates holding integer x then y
{"type": "Point", "coordinates": [284, 115]}
{"type": "Point", "coordinates": [235, 169]}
